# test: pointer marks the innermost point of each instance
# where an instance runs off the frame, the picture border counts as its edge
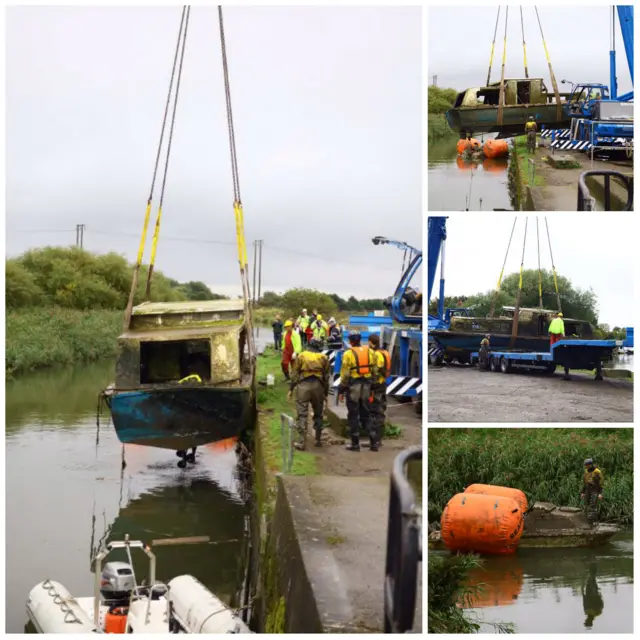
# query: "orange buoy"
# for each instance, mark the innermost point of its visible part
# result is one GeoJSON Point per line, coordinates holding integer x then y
{"type": "Point", "coordinates": [496, 490]}
{"type": "Point", "coordinates": [481, 523]}
{"type": "Point", "coordinates": [495, 148]}
{"type": "Point", "coordinates": [467, 145]}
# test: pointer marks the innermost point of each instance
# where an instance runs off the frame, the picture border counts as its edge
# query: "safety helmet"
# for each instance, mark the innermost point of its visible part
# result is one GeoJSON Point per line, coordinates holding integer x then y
{"type": "Point", "coordinates": [288, 323]}
{"type": "Point", "coordinates": [318, 317]}
{"type": "Point", "coordinates": [588, 462]}
{"type": "Point", "coordinates": [560, 315]}
{"type": "Point", "coordinates": [315, 344]}
{"type": "Point", "coordinates": [304, 311]}
{"type": "Point", "coordinates": [332, 320]}
{"type": "Point", "coordinates": [531, 118]}
{"type": "Point", "coordinates": [488, 335]}
{"type": "Point", "coordinates": [354, 336]}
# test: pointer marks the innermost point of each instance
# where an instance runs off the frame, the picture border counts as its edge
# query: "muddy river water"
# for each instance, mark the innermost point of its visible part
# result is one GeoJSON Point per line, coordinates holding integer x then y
{"type": "Point", "coordinates": [558, 590]}
{"type": "Point", "coordinates": [65, 495]}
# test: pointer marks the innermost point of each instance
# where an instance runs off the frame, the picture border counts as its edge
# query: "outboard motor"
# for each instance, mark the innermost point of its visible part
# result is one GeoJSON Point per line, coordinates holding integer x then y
{"type": "Point", "coordinates": [116, 584]}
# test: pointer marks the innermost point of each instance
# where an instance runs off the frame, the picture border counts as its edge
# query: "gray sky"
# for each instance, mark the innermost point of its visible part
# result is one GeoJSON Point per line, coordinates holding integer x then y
{"type": "Point", "coordinates": [577, 38]}
{"type": "Point", "coordinates": [328, 119]}
{"type": "Point", "coordinates": [579, 252]}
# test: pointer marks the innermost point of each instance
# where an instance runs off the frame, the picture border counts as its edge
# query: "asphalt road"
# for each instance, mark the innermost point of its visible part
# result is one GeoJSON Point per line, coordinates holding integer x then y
{"type": "Point", "coordinates": [464, 394]}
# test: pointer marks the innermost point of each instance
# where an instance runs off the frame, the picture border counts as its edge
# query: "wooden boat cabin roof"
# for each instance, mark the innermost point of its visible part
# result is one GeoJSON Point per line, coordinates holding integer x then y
{"type": "Point", "coordinates": [168, 341]}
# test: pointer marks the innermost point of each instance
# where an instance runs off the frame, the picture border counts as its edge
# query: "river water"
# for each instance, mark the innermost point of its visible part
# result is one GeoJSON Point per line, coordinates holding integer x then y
{"type": "Point", "coordinates": [558, 590]}
{"type": "Point", "coordinates": [64, 494]}
{"type": "Point", "coordinates": [459, 185]}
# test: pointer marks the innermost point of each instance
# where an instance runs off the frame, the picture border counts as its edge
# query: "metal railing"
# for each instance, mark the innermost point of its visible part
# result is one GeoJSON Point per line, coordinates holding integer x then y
{"type": "Point", "coordinates": [586, 202]}
{"type": "Point", "coordinates": [404, 548]}
{"type": "Point", "coordinates": [531, 170]}
{"type": "Point", "coordinates": [287, 428]}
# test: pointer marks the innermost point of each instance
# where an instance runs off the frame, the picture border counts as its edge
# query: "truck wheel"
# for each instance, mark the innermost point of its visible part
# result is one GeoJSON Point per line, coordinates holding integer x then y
{"type": "Point", "coordinates": [505, 365]}
{"type": "Point", "coordinates": [493, 364]}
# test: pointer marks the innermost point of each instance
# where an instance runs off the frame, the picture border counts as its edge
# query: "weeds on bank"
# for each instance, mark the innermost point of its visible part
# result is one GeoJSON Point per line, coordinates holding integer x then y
{"type": "Point", "coordinates": [272, 401]}
{"type": "Point", "coordinates": [523, 155]}
{"type": "Point", "coordinates": [544, 463]}
{"type": "Point", "coordinates": [42, 337]}
{"type": "Point", "coordinates": [449, 591]}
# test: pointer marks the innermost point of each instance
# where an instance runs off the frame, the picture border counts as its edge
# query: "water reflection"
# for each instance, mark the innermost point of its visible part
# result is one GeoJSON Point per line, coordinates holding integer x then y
{"type": "Point", "coordinates": [592, 600]}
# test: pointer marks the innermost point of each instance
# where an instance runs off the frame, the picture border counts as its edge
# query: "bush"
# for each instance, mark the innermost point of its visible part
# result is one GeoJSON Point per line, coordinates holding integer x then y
{"type": "Point", "coordinates": [295, 300]}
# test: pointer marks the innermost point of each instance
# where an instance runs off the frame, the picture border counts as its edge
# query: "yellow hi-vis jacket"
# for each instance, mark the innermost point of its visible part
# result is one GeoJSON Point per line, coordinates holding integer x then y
{"type": "Point", "coordinates": [320, 330]}
{"type": "Point", "coordinates": [303, 322]}
{"type": "Point", "coordinates": [358, 362]}
{"type": "Point", "coordinates": [310, 364]}
{"type": "Point", "coordinates": [296, 342]}
{"type": "Point", "coordinates": [557, 326]}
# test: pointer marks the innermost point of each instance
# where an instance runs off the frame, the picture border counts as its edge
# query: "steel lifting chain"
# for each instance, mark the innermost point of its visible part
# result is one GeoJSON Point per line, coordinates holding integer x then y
{"type": "Point", "coordinates": [237, 204]}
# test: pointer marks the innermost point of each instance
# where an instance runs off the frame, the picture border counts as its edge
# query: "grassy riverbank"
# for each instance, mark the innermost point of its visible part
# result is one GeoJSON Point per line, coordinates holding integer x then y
{"type": "Point", "coordinates": [37, 338]}
{"type": "Point", "coordinates": [544, 463]}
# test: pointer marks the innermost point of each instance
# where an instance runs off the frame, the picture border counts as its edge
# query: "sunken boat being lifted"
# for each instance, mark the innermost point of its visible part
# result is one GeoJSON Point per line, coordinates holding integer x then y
{"type": "Point", "coordinates": [464, 334]}
{"type": "Point", "coordinates": [184, 377]}
{"type": "Point", "coordinates": [477, 110]}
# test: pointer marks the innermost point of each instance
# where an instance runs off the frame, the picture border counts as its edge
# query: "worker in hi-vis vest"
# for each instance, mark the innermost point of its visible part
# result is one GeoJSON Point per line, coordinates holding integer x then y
{"type": "Point", "coordinates": [378, 406]}
{"type": "Point", "coordinates": [556, 329]}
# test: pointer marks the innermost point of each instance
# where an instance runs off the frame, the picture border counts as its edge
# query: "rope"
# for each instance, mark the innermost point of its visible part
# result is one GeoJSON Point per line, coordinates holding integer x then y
{"type": "Point", "coordinates": [143, 239]}
{"type": "Point", "coordinates": [504, 61]}
{"type": "Point", "coordinates": [539, 270]}
{"type": "Point", "coordinates": [237, 205]}
{"type": "Point", "coordinates": [553, 266]}
{"type": "Point", "coordinates": [495, 295]}
{"type": "Point", "coordinates": [493, 46]}
{"type": "Point", "coordinates": [516, 313]}
{"type": "Point", "coordinates": [524, 45]}
{"type": "Point", "coordinates": [556, 92]}
{"type": "Point", "coordinates": [156, 232]}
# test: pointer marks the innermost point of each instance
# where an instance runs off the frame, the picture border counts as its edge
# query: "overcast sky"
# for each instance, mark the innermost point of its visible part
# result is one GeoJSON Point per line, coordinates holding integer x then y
{"type": "Point", "coordinates": [577, 38]}
{"type": "Point", "coordinates": [328, 119]}
{"type": "Point", "coordinates": [476, 245]}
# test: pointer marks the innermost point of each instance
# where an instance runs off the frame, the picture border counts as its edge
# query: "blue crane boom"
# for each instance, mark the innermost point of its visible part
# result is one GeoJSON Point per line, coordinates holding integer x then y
{"type": "Point", "coordinates": [625, 15]}
{"type": "Point", "coordinates": [436, 236]}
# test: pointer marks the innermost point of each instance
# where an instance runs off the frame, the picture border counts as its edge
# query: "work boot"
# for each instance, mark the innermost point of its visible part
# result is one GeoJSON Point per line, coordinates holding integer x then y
{"type": "Point", "coordinates": [301, 443]}
{"type": "Point", "coordinates": [354, 446]}
{"type": "Point", "coordinates": [374, 445]}
{"type": "Point", "coordinates": [318, 442]}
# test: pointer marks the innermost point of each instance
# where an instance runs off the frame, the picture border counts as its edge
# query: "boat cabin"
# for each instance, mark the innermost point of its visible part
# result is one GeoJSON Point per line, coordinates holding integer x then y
{"type": "Point", "coordinates": [517, 91]}
{"type": "Point", "coordinates": [169, 341]}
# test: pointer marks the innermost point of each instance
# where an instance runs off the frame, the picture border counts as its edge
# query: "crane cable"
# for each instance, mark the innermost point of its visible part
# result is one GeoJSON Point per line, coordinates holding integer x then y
{"type": "Point", "coordinates": [237, 204]}
{"type": "Point", "coordinates": [516, 312]}
{"type": "Point", "coordinates": [143, 239]}
{"type": "Point", "coordinates": [495, 295]}
{"type": "Point", "coordinates": [156, 232]}
{"type": "Point", "coordinates": [539, 270]}
{"type": "Point", "coordinates": [554, 83]}
{"type": "Point", "coordinates": [504, 60]}
{"type": "Point", "coordinates": [524, 45]}
{"type": "Point", "coordinates": [553, 266]}
{"type": "Point", "coordinates": [493, 46]}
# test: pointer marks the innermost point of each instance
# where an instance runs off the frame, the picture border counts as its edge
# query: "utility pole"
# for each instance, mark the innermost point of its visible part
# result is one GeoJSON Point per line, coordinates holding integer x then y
{"type": "Point", "coordinates": [435, 80]}
{"type": "Point", "coordinates": [255, 260]}
{"type": "Point", "coordinates": [260, 271]}
{"type": "Point", "coordinates": [80, 235]}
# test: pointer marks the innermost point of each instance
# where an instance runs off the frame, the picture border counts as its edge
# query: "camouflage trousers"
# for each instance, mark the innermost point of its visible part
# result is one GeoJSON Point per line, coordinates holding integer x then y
{"type": "Point", "coordinates": [309, 392]}
{"type": "Point", "coordinates": [591, 503]}
{"type": "Point", "coordinates": [378, 409]}
{"type": "Point", "coordinates": [358, 411]}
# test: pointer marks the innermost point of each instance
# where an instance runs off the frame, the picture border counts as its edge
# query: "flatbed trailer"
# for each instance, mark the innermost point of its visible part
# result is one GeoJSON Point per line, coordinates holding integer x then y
{"type": "Point", "coordinates": [569, 354]}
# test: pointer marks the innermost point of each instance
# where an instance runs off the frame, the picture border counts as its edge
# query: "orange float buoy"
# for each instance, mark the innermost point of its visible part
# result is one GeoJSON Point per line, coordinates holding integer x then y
{"type": "Point", "coordinates": [495, 148]}
{"type": "Point", "coordinates": [482, 523]}
{"type": "Point", "coordinates": [467, 145]}
{"type": "Point", "coordinates": [496, 490]}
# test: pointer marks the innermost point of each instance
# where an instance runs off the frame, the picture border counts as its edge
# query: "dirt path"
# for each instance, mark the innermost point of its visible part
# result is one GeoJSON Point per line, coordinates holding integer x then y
{"type": "Point", "coordinates": [463, 394]}
{"type": "Point", "coordinates": [334, 459]}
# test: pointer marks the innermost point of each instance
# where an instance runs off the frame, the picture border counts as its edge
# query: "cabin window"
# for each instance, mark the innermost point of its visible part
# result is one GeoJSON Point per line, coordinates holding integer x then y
{"type": "Point", "coordinates": [489, 96]}
{"type": "Point", "coordinates": [524, 92]}
{"type": "Point", "coordinates": [172, 360]}
{"type": "Point", "coordinates": [459, 99]}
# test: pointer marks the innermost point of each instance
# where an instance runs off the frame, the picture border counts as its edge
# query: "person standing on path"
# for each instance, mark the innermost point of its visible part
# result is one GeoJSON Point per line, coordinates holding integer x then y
{"type": "Point", "coordinates": [378, 406]}
{"type": "Point", "coordinates": [303, 323]}
{"type": "Point", "coordinates": [310, 378]}
{"type": "Point", "coordinates": [290, 347]}
{"type": "Point", "coordinates": [277, 332]}
{"type": "Point", "coordinates": [592, 485]}
{"type": "Point", "coordinates": [358, 369]}
{"type": "Point", "coordinates": [556, 329]}
{"type": "Point", "coordinates": [531, 129]}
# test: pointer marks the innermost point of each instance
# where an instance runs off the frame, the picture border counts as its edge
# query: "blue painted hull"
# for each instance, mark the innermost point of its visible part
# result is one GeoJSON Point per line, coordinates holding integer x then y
{"type": "Point", "coordinates": [457, 343]}
{"type": "Point", "coordinates": [178, 417]}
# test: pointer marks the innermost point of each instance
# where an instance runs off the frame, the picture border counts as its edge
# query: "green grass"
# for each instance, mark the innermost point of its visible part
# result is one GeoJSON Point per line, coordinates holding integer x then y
{"type": "Point", "coordinates": [520, 145]}
{"type": "Point", "coordinates": [438, 128]}
{"type": "Point", "coordinates": [544, 463]}
{"type": "Point", "coordinates": [37, 338]}
{"type": "Point", "coordinates": [272, 401]}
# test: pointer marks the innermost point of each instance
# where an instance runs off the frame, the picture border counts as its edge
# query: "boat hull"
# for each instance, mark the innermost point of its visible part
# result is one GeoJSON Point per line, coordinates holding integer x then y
{"type": "Point", "coordinates": [484, 119]}
{"type": "Point", "coordinates": [462, 343]}
{"type": "Point", "coordinates": [180, 418]}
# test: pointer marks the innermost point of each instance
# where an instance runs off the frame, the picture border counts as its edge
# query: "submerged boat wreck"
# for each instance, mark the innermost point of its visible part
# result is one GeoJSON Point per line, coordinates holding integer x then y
{"type": "Point", "coordinates": [464, 334]}
{"type": "Point", "coordinates": [183, 376]}
{"type": "Point", "coordinates": [477, 110]}
{"type": "Point", "coordinates": [548, 525]}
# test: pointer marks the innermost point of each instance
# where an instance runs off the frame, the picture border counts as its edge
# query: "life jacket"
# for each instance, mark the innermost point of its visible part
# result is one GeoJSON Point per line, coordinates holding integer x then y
{"type": "Point", "coordinates": [591, 478]}
{"type": "Point", "coordinates": [387, 364]}
{"type": "Point", "coordinates": [362, 366]}
{"type": "Point", "coordinates": [312, 364]}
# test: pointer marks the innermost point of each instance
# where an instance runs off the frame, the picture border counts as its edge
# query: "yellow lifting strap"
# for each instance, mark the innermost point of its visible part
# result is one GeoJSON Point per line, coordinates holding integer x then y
{"type": "Point", "coordinates": [242, 245]}
{"type": "Point", "coordinates": [194, 377]}
{"type": "Point", "coordinates": [495, 295]}
{"type": "Point", "coordinates": [493, 46]}
{"type": "Point", "coordinates": [504, 60]}
{"type": "Point", "coordinates": [524, 45]}
{"type": "Point", "coordinates": [553, 266]}
{"type": "Point", "coordinates": [556, 92]}
{"type": "Point", "coordinates": [539, 270]}
{"type": "Point", "coordinates": [516, 312]}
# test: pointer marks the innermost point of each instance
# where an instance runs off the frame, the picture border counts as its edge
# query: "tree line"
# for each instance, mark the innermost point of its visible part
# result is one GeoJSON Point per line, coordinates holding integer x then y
{"type": "Point", "coordinates": [576, 303]}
